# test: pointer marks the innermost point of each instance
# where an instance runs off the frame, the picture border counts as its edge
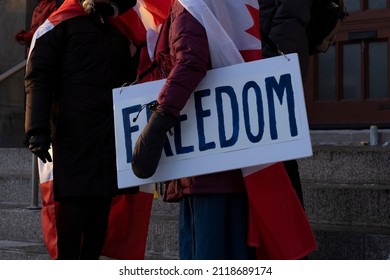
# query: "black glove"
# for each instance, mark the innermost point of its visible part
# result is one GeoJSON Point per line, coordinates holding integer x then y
{"type": "Point", "coordinates": [39, 145]}
{"type": "Point", "coordinates": [148, 148]}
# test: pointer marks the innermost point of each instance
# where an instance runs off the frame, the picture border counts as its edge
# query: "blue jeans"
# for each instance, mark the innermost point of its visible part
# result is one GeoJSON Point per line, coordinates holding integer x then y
{"type": "Point", "coordinates": [214, 227]}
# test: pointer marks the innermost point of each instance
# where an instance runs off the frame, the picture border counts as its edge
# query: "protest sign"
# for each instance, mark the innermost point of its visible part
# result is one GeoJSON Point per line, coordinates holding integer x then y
{"type": "Point", "coordinates": [239, 116]}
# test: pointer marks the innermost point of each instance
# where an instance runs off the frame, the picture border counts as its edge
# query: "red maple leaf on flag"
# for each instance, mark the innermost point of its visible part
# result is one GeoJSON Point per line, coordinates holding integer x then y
{"type": "Point", "coordinates": [254, 30]}
{"type": "Point", "coordinates": [255, 14]}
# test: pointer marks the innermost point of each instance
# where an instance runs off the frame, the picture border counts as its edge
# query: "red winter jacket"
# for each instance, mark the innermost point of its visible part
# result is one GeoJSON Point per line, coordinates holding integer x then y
{"type": "Point", "coordinates": [182, 57]}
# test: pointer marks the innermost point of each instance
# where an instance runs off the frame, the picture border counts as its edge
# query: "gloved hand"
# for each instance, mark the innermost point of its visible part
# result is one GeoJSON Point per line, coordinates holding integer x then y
{"type": "Point", "coordinates": [39, 145]}
{"type": "Point", "coordinates": [148, 148]}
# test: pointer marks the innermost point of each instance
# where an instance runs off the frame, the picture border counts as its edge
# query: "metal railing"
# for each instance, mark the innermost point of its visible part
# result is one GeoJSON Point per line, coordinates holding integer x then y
{"type": "Point", "coordinates": [13, 70]}
{"type": "Point", "coordinates": [34, 172]}
{"type": "Point", "coordinates": [34, 184]}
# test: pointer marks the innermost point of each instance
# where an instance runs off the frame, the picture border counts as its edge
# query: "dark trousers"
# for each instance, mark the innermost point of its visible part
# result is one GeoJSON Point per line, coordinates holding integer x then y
{"type": "Point", "coordinates": [82, 227]}
{"type": "Point", "coordinates": [291, 167]}
{"type": "Point", "coordinates": [214, 227]}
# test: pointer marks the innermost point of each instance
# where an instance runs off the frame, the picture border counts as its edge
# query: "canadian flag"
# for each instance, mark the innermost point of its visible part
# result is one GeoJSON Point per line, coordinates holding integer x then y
{"type": "Point", "coordinates": [142, 24]}
{"type": "Point", "coordinates": [130, 213]}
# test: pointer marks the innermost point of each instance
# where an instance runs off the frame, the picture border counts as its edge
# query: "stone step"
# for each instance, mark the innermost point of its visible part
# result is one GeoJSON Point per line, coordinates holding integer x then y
{"type": "Point", "coordinates": [348, 137]}
{"type": "Point", "coordinates": [347, 164]}
{"type": "Point", "coordinates": [16, 190]}
{"type": "Point", "coordinates": [22, 250]}
{"type": "Point", "coordinates": [15, 161]}
{"type": "Point", "coordinates": [351, 243]}
{"type": "Point", "coordinates": [16, 176]}
{"type": "Point", "coordinates": [19, 223]}
{"type": "Point", "coordinates": [348, 204]}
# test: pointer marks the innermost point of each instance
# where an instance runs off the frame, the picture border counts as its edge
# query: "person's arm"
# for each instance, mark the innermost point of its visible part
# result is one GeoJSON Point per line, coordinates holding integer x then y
{"type": "Point", "coordinates": [190, 48]}
{"type": "Point", "coordinates": [40, 85]}
{"type": "Point", "coordinates": [40, 81]}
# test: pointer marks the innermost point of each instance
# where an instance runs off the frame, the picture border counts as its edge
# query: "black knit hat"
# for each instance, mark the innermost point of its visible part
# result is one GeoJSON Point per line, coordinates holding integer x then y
{"type": "Point", "coordinates": [124, 5]}
{"type": "Point", "coordinates": [59, 3]}
{"type": "Point", "coordinates": [114, 7]}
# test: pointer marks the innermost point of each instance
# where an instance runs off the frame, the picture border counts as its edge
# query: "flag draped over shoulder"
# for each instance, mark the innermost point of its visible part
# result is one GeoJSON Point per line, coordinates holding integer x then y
{"type": "Point", "coordinates": [130, 213]}
{"type": "Point", "coordinates": [278, 226]}
{"type": "Point", "coordinates": [232, 27]}
{"type": "Point", "coordinates": [68, 10]}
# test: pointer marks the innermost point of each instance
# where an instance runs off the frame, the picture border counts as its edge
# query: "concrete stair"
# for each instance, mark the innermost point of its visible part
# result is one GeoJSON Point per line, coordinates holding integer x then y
{"type": "Point", "coordinates": [20, 229]}
{"type": "Point", "coordinates": [347, 200]}
{"type": "Point", "coordinates": [346, 192]}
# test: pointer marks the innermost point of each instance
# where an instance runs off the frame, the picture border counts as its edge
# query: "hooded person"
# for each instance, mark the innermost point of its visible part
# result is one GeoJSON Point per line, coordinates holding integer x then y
{"type": "Point", "coordinates": [76, 58]}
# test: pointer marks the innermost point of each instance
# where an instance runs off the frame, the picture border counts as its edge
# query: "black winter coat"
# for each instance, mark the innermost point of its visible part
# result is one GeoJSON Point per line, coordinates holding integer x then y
{"type": "Point", "coordinates": [69, 80]}
{"type": "Point", "coordinates": [286, 24]}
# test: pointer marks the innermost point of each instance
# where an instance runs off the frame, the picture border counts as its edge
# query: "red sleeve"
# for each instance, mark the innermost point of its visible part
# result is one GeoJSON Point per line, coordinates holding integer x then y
{"type": "Point", "coordinates": [189, 49]}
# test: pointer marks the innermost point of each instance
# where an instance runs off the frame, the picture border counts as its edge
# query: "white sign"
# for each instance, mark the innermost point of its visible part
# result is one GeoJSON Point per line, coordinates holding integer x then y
{"type": "Point", "coordinates": [239, 116]}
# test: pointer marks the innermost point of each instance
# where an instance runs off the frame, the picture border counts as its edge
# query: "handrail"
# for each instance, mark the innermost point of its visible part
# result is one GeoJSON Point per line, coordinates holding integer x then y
{"type": "Point", "coordinates": [13, 70]}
